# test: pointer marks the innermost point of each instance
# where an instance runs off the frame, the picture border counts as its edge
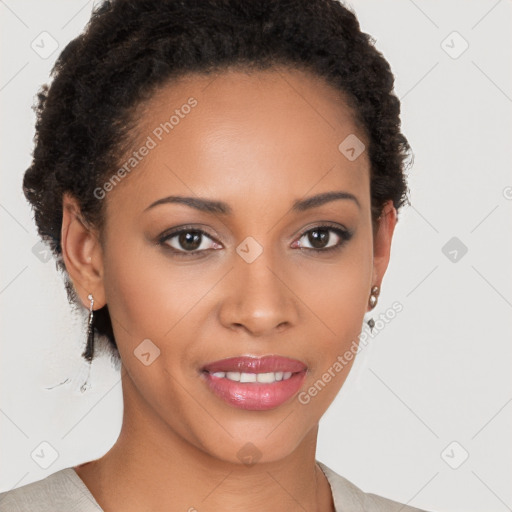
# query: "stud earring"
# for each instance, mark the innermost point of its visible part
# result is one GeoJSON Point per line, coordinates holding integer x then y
{"type": "Point", "coordinates": [372, 302]}
{"type": "Point", "coordinates": [88, 353]}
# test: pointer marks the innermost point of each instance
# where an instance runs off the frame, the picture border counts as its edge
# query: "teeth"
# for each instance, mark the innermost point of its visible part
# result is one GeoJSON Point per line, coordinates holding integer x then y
{"type": "Point", "coordinates": [267, 378]}
{"type": "Point", "coordinates": [247, 377]}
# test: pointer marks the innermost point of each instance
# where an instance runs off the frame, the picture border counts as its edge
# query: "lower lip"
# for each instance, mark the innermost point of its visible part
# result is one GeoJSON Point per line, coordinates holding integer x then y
{"type": "Point", "coordinates": [255, 396]}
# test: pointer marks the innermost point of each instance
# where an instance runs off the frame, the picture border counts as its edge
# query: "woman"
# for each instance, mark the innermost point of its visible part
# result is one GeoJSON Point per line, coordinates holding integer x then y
{"type": "Point", "coordinates": [219, 181]}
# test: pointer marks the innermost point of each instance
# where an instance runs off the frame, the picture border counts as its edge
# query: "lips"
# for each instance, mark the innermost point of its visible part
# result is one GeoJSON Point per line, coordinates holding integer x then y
{"type": "Point", "coordinates": [250, 364]}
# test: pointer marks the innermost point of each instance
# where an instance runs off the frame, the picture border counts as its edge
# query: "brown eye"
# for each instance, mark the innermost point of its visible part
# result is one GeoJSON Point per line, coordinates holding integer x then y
{"type": "Point", "coordinates": [324, 238]}
{"type": "Point", "coordinates": [187, 240]}
{"type": "Point", "coordinates": [318, 237]}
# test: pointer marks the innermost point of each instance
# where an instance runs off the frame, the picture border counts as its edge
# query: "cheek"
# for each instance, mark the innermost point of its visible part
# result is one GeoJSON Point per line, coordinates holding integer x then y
{"type": "Point", "coordinates": [137, 293]}
{"type": "Point", "coordinates": [146, 302]}
{"type": "Point", "coordinates": [338, 302]}
{"type": "Point", "coordinates": [338, 293]}
{"type": "Point", "coordinates": [151, 297]}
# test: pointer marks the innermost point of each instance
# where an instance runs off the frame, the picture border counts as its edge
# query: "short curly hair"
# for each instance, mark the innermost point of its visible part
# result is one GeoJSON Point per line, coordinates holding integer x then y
{"type": "Point", "coordinates": [130, 48]}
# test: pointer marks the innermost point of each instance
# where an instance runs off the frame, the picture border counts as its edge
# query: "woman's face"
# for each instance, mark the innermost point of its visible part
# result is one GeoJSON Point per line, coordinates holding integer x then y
{"type": "Point", "coordinates": [261, 144]}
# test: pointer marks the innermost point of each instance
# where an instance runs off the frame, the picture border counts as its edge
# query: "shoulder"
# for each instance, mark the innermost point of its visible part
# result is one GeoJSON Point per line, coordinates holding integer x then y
{"type": "Point", "coordinates": [62, 491]}
{"type": "Point", "coordinates": [350, 498]}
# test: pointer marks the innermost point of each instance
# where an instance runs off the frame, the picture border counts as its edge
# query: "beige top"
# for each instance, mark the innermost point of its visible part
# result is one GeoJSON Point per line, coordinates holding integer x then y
{"type": "Point", "coordinates": [64, 491]}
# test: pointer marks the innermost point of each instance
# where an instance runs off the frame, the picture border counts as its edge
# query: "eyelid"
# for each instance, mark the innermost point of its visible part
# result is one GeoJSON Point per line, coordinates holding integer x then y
{"type": "Point", "coordinates": [325, 224]}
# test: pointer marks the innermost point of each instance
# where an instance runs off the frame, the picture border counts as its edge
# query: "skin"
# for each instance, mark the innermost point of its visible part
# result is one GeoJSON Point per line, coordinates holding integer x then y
{"type": "Point", "coordinates": [257, 141]}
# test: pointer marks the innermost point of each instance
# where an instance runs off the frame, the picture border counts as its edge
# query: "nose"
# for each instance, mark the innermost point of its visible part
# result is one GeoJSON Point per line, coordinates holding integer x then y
{"type": "Point", "coordinates": [258, 297]}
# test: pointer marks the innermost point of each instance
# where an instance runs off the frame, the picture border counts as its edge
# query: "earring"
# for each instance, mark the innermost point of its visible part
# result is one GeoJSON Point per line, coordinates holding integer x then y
{"type": "Point", "coordinates": [372, 302]}
{"type": "Point", "coordinates": [88, 353]}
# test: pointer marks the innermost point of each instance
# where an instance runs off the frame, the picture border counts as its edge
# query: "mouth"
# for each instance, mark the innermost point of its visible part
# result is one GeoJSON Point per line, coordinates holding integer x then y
{"type": "Point", "coordinates": [255, 383]}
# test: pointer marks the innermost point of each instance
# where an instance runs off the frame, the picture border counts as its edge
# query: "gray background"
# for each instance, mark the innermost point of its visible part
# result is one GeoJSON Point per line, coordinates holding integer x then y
{"type": "Point", "coordinates": [439, 373]}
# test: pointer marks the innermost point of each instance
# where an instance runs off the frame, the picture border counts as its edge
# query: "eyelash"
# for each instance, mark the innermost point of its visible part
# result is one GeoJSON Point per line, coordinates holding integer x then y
{"type": "Point", "coordinates": [344, 234]}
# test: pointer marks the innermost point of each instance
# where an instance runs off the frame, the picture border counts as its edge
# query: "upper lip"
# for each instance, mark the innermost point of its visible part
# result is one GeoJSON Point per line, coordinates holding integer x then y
{"type": "Point", "coordinates": [252, 364]}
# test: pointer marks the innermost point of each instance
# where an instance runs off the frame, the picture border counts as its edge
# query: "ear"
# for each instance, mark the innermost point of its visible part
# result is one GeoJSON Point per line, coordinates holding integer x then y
{"type": "Point", "coordinates": [82, 253]}
{"type": "Point", "coordinates": [382, 242]}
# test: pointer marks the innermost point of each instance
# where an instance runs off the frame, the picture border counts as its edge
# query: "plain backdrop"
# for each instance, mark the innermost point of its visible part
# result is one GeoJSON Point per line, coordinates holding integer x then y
{"type": "Point", "coordinates": [426, 414]}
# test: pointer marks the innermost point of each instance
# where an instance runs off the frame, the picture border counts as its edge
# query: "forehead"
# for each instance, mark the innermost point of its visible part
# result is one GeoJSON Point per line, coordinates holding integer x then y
{"type": "Point", "coordinates": [259, 135]}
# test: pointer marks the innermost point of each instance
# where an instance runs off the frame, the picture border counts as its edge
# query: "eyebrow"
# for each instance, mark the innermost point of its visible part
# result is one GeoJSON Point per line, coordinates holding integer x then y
{"type": "Point", "coordinates": [219, 207]}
